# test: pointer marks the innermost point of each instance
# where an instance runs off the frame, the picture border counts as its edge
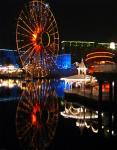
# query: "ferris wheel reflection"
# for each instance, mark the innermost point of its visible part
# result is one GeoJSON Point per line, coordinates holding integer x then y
{"type": "Point", "coordinates": [37, 115]}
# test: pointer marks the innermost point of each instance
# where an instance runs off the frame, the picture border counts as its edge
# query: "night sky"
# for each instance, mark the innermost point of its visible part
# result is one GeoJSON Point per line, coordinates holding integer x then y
{"type": "Point", "coordinates": [76, 19]}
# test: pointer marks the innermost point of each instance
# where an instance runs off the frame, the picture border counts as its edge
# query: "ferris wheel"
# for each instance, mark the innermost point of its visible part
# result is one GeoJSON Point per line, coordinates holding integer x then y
{"type": "Point", "coordinates": [37, 116]}
{"type": "Point", "coordinates": [37, 38]}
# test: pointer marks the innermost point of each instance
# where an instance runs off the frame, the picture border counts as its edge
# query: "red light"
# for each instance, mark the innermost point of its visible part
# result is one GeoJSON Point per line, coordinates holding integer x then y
{"type": "Point", "coordinates": [91, 69]}
{"type": "Point", "coordinates": [105, 87]}
{"type": "Point", "coordinates": [38, 48]}
{"type": "Point", "coordinates": [36, 39]}
{"type": "Point", "coordinates": [36, 108]}
{"type": "Point", "coordinates": [34, 117]}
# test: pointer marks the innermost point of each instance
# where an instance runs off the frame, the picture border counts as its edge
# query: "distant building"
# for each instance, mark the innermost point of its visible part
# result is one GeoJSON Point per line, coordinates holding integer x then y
{"type": "Point", "coordinates": [9, 63]}
{"type": "Point", "coordinates": [78, 49]}
{"type": "Point", "coordinates": [99, 56]}
{"type": "Point", "coordinates": [9, 57]}
{"type": "Point", "coordinates": [82, 70]}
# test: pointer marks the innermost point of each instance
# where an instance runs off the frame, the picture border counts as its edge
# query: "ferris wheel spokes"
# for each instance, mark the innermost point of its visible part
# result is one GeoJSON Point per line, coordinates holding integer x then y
{"type": "Point", "coordinates": [37, 35]}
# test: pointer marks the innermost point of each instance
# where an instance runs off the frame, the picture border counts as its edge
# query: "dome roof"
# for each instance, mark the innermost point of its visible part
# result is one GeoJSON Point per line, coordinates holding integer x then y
{"type": "Point", "coordinates": [99, 56]}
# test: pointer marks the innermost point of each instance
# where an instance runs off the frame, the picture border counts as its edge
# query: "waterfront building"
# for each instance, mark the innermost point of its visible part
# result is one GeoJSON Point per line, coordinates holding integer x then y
{"type": "Point", "coordinates": [100, 56]}
{"type": "Point", "coordinates": [82, 70]}
{"type": "Point", "coordinates": [78, 49]}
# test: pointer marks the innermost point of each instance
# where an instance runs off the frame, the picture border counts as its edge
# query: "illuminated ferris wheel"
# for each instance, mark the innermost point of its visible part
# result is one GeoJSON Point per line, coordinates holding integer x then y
{"type": "Point", "coordinates": [37, 38]}
{"type": "Point", "coordinates": [37, 116]}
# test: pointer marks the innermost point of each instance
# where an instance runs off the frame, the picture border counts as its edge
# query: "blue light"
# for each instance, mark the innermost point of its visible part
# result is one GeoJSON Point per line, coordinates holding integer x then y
{"type": "Point", "coordinates": [9, 57]}
{"type": "Point", "coordinates": [63, 61]}
{"type": "Point", "coordinates": [59, 86]}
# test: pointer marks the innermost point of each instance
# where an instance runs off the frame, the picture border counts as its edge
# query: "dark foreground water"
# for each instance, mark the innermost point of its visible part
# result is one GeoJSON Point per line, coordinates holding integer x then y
{"type": "Point", "coordinates": [30, 119]}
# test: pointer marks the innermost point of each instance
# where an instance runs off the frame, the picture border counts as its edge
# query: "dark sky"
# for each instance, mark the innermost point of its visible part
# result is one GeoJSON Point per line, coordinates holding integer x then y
{"type": "Point", "coordinates": [76, 19]}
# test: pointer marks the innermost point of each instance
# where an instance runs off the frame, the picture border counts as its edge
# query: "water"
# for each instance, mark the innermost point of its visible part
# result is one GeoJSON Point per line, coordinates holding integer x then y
{"type": "Point", "coordinates": [34, 115]}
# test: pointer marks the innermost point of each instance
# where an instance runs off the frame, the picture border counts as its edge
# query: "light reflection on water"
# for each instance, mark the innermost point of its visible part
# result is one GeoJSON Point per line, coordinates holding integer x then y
{"type": "Point", "coordinates": [14, 87]}
{"type": "Point", "coordinates": [10, 90]}
{"type": "Point", "coordinates": [37, 111]}
{"type": "Point", "coordinates": [37, 114]}
{"type": "Point", "coordinates": [99, 122]}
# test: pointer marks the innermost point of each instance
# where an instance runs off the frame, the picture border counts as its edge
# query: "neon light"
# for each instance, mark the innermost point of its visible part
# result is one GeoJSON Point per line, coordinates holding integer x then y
{"type": "Point", "coordinates": [110, 62]}
{"type": "Point", "coordinates": [34, 37]}
{"type": "Point", "coordinates": [94, 130]}
{"type": "Point", "coordinates": [34, 118]}
{"type": "Point", "coordinates": [63, 61]}
{"type": "Point", "coordinates": [112, 45]}
{"type": "Point", "coordinates": [99, 53]}
{"type": "Point", "coordinates": [98, 57]}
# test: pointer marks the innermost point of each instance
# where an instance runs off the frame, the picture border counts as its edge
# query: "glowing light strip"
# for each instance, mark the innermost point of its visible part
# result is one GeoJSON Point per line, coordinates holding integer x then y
{"type": "Point", "coordinates": [33, 15]}
{"type": "Point", "coordinates": [110, 62]}
{"type": "Point", "coordinates": [74, 80]}
{"type": "Point", "coordinates": [87, 42]}
{"type": "Point", "coordinates": [28, 55]}
{"type": "Point", "coordinates": [78, 42]}
{"type": "Point", "coordinates": [94, 130]}
{"type": "Point", "coordinates": [51, 51]}
{"type": "Point", "coordinates": [98, 57]}
{"type": "Point", "coordinates": [80, 116]}
{"type": "Point", "coordinates": [23, 13]}
{"type": "Point", "coordinates": [26, 52]}
{"type": "Point", "coordinates": [26, 24]}
{"type": "Point", "coordinates": [26, 45]}
{"type": "Point", "coordinates": [9, 99]}
{"type": "Point", "coordinates": [24, 29]}
{"type": "Point", "coordinates": [54, 33]}
{"type": "Point", "coordinates": [76, 110]}
{"type": "Point", "coordinates": [51, 24]}
{"type": "Point", "coordinates": [44, 23]}
{"type": "Point", "coordinates": [28, 19]}
{"type": "Point", "coordinates": [99, 53]}
{"type": "Point", "coordinates": [52, 28]}
{"type": "Point", "coordinates": [104, 44]}
{"type": "Point", "coordinates": [81, 124]}
{"type": "Point", "coordinates": [7, 50]}
{"type": "Point", "coordinates": [86, 125]}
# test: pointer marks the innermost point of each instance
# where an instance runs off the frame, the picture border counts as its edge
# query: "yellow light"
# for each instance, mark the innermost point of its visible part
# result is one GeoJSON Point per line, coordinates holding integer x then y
{"type": "Point", "coordinates": [94, 130]}
{"type": "Point", "coordinates": [112, 45]}
{"type": "Point", "coordinates": [98, 57]}
{"type": "Point", "coordinates": [35, 36]}
{"type": "Point", "coordinates": [109, 62]}
{"type": "Point", "coordinates": [99, 53]}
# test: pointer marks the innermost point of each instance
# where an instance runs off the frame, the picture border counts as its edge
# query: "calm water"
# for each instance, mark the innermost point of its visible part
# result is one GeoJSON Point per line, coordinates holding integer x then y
{"type": "Point", "coordinates": [34, 115]}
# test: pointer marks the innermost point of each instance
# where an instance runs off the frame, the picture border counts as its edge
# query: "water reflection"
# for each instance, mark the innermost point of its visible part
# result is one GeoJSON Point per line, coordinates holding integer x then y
{"type": "Point", "coordinates": [10, 89]}
{"type": "Point", "coordinates": [15, 87]}
{"type": "Point", "coordinates": [37, 115]}
{"type": "Point", "coordinates": [97, 121]}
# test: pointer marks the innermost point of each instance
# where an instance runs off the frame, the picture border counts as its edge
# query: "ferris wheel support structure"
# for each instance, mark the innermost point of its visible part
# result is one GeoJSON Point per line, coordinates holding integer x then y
{"type": "Point", "coordinates": [37, 38]}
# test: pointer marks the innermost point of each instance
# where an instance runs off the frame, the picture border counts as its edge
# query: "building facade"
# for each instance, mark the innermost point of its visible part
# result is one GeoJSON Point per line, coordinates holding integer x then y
{"type": "Point", "coordinates": [78, 49]}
